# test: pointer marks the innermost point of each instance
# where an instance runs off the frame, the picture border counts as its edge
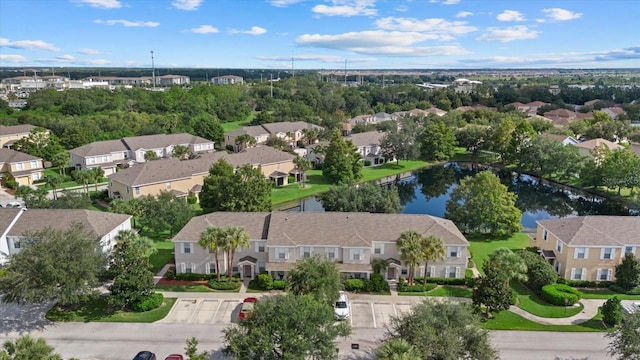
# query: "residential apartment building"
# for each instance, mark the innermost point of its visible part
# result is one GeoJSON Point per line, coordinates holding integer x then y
{"type": "Point", "coordinates": [15, 224]}
{"type": "Point", "coordinates": [588, 247]}
{"type": "Point", "coordinates": [279, 239]}
{"type": "Point", "coordinates": [368, 145]}
{"type": "Point", "coordinates": [11, 134]}
{"type": "Point", "coordinates": [110, 154]}
{"type": "Point", "coordinates": [227, 80]}
{"type": "Point", "coordinates": [589, 148]}
{"type": "Point", "coordinates": [184, 177]}
{"type": "Point", "coordinates": [24, 168]}
{"type": "Point", "coordinates": [291, 132]}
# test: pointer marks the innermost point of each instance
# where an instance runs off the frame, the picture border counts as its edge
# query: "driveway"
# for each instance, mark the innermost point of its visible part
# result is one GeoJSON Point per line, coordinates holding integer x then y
{"type": "Point", "coordinates": [6, 198]}
{"type": "Point", "coordinates": [22, 318]}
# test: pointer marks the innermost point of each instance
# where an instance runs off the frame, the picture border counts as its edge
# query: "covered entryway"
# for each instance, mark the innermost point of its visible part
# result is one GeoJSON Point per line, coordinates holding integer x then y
{"type": "Point", "coordinates": [279, 178]}
{"type": "Point", "coordinates": [247, 267]}
{"type": "Point", "coordinates": [393, 269]}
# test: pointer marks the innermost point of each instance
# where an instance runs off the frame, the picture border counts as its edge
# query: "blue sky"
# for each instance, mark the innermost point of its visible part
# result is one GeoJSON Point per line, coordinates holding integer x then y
{"type": "Point", "coordinates": [368, 34]}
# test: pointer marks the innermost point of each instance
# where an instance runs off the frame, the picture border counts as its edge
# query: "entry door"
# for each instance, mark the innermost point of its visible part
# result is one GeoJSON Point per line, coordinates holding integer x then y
{"type": "Point", "coordinates": [247, 271]}
{"type": "Point", "coordinates": [391, 273]}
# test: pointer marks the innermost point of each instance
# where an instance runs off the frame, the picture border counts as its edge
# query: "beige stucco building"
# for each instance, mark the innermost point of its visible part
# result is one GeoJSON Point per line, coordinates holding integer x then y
{"type": "Point", "coordinates": [183, 177]}
{"type": "Point", "coordinates": [587, 247]}
{"type": "Point", "coordinates": [279, 239]}
{"type": "Point", "coordinates": [291, 132]}
{"type": "Point", "coordinates": [11, 134]}
{"type": "Point", "coordinates": [24, 168]}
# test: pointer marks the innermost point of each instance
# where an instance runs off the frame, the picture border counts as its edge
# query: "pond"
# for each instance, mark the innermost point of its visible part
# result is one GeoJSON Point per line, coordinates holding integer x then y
{"type": "Point", "coordinates": [427, 191]}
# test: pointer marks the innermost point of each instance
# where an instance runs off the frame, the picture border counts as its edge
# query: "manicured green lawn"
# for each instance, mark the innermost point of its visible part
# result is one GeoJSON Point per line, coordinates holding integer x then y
{"type": "Point", "coordinates": [533, 304]}
{"type": "Point", "coordinates": [481, 247]}
{"type": "Point", "coordinates": [451, 291]}
{"type": "Point", "coordinates": [98, 311]}
{"type": "Point", "coordinates": [163, 256]}
{"type": "Point", "coordinates": [506, 320]}
{"type": "Point", "coordinates": [606, 294]}
{"type": "Point", "coordinates": [185, 288]}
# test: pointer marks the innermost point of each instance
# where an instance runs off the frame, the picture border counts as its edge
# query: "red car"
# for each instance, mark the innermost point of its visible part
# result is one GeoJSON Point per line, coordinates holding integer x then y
{"type": "Point", "coordinates": [247, 308]}
{"type": "Point", "coordinates": [174, 357]}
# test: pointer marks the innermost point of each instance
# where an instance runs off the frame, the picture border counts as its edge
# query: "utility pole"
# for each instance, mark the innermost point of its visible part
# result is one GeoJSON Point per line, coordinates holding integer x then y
{"type": "Point", "coordinates": [293, 70]}
{"type": "Point", "coordinates": [153, 71]}
{"type": "Point", "coordinates": [345, 72]}
{"type": "Point", "coordinates": [271, 84]}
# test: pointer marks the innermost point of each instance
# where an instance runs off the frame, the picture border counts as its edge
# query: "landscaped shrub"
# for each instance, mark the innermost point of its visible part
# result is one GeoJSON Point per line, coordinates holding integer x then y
{"type": "Point", "coordinates": [170, 274]}
{"type": "Point", "coordinates": [279, 285]}
{"type": "Point", "coordinates": [224, 284]}
{"type": "Point", "coordinates": [265, 282]}
{"type": "Point", "coordinates": [194, 276]}
{"type": "Point", "coordinates": [354, 285]}
{"type": "Point", "coordinates": [539, 272]}
{"type": "Point", "coordinates": [560, 294]}
{"type": "Point", "coordinates": [192, 200]}
{"type": "Point", "coordinates": [403, 286]}
{"type": "Point", "coordinates": [152, 302]}
{"type": "Point", "coordinates": [579, 283]}
{"type": "Point", "coordinates": [377, 283]}
{"type": "Point", "coordinates": [367, 163]}
{"type": "Point", "coordinates": [445, 281]}
{"type": "Point", "coordinates": [612, 311]}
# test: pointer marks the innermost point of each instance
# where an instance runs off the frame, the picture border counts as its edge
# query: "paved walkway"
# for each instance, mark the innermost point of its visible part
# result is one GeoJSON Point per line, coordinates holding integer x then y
{"type": "Point", "coordinates": [588, 312]}
{"type": "Point", "coordinates": [161, 273]}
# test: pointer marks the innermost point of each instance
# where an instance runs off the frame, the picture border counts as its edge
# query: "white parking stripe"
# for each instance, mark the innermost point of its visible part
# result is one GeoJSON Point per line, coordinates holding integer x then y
{"type": "Point", "coordinates": [196, 311]}
{"type": "Point", "coordinates": [373, 314]}
{"type": "Point", "coordinates": [215, 316]}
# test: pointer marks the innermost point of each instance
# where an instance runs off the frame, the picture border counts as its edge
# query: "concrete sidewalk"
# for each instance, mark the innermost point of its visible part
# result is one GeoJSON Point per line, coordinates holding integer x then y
{"type": "Point", "coordinates": [588, 312]}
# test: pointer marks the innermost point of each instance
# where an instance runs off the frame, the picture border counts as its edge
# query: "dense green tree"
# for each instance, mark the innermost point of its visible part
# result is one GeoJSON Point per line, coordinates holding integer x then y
{"type": "Point", "coordinates": [342, 162]}
{"type": "Point", "coordinates": [208, 127]}
{"type": "Point", "coordinates": [131, 207]}
{"type": "Point", "coordinates": [437, 142]}
{"type": "Point", "coordinates": [612, 311]}
{"type": "Point", "coordinates": [54, 265]}
{"type": "Point", "coordinates": [150, 155]}
{"type": "Point", "coordinates": [491, 291]}
{"type": "Point", "coordinates": [508, 264]}
{"type": "Point", "coordinates": [397, 349]}
{"type": "Point", "coordinates": [620, 169]}
{"type": "Point", "coordinates": [164, 212]}
{"type": "Point", "coordinates": [628, 273]}
{"type": "Point", "coordinates": [443, 330]}
{"type": "Point", "coordinates": [286, 327]}
{"type": "Point", "coordinates": [61, 161]}
{"type": "Point", "coordinates": [39, 143]}
{"type": "Point", "coordinates": [410, 248]}
{"type": "Point", "coordinates": [97, 174]}
{"type": "Point", "coordinates": [191, 350]}
{"type": "Point", "coordinates": [84, 177]}
{"type": "Point", "coordinates": [246, 189]}
{"type": "Point", "coordinates": [500, 136]}
{"type": "Point", "coordinates": [481, 204]}
{"type": "Point", "coordinates": [181, 152]}
{"type": "Point", "coordinates": [431, 249]}
{"type": "Point", "coordinates": [539, 271]}
{"type": "Point", "coordinates": [522, 134]}
{"type": "Point", "coordinates": [317, 277]}
{"type": "Point", "coordinates": [141, 243]}
{"type": "Point", "coordinates": [302, 165]}
{"type": "Point", "coordinates": [27, 348]}
{"type": "Point", "coordinates": [471, 137]}
{"type": "Point", "coordinates": [132, 278]}
{"type": "Point", "coordinates": [625, 340]}
{"type": "Point", "coordinates": [400, 141]}
{"type": "Point", "coordinates": [365, 197]}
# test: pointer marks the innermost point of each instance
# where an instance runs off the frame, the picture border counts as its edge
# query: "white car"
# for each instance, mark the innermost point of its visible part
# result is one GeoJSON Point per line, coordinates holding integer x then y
{"type": "Point", "coordinates": [14, 204]}
{"type": "Point", "coordinates": [341, 307]}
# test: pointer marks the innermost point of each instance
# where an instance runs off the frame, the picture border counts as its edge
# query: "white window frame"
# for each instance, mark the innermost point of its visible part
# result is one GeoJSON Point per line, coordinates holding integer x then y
{"type": "Point", "coordinates": [603, 253]}
{"type": "Point", "coordinates": [545, 234]}
{"type": "Point", "coordinates": [304, 253]}
{"type": "Point", "coordinates": [451, 250]}
{"type": "Point", "coordinates": [585, 253]}
{"type": "Point", "coordinates": [632, 248]}
{"type": "Point", "coordinates": [354, 252]}
{"type": "Point", "coordinates": [282, 251]}
{"type": "Point", "coordinates": [608, 273]}
{"type": "Point", "coordinates": [34, 164]}
{"type": "Point", "coordinates": [137, 190]}
{"type": "Point", "coordinates": [19, 166]}
{"type": "Point", "coordinates": [261, 246]}
{"type": "Point", "coordinates": [378, 248]}
{"type": "Point", "coordinates": [559, 246]}
{"type": "Point", "coordinates": [186, 248]}
{"type": "Point", "coordinates": [168, 186]}
{"type": "Point", "coordinates": [574, 273]}
{"type": "Point", "coordinates": [331, 253]}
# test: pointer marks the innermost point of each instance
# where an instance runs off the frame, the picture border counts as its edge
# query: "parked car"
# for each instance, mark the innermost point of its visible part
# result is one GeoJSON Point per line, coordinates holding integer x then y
{"type": "Point", "coordinates": [145, 355]}
{"type": "Point", "coordinates": [174, 357]}
{"type": "Point", "coordinates": [341, 308]}
{"type": "Point", "coordinates": [14, 204]}
{"type": "Point", "coordinates": [247, 308]}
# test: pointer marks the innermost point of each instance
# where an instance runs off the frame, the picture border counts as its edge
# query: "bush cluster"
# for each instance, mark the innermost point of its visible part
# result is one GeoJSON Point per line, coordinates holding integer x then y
{"type": "Point", "coordinates": [560, 294]}
{"type": "Point", "coordinates": [585, 283]}
{"type": "Point", "coordinates": [377, 283]}
{"type": "Point", "coordinates": [224, 284]}
{"type": "Point", "coordinates": [152, 302]}
{"type": "Point", "coordinates": [442, 281]}
{"type": "Point", "coordinates": [194, 276]}
{"type": "Point", "coordinates": [539, 271]}
{"type": "Point", "coordinates": [418, 286]}
{"type": "Point", "coordinates": [279, 285]}
{"type": "Point", "coordinates": [170, 274]}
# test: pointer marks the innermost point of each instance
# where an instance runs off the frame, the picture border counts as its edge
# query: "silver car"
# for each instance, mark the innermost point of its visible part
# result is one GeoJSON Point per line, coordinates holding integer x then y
{"type": "Point", "coordinates": [341, 307]}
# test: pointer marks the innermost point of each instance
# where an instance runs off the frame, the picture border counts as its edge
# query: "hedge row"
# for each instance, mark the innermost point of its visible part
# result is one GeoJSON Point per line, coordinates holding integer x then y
{"type": "Point", "coordinates": [377, 283]}
{"type": "Point", "coordinates": [585, 283]}
{"type": "Point", "coordinates": [560, 294]}
{"type": "Point", "coordinates": [403, 286]}
{"type": "Point", "coordinates": [442, 281]}
{"type": "Point", "coordinates": [152, 302]}
{"type": "Point", "coordinates": [224, 284]}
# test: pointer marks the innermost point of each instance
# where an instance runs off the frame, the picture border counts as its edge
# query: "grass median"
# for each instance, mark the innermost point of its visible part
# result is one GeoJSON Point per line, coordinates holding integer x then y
{"type": "Point", "coordinates": [98, 310]}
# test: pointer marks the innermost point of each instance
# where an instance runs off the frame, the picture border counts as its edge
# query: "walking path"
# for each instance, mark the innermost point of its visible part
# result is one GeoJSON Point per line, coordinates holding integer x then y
{"type": "Point", "coordinates": [588, 312]}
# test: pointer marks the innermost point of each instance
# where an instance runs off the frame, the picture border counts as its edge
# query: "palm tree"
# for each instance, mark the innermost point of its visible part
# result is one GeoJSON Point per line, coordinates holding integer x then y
{"type": "Point", "coordinates": [378, 265]}
{"type": "Point", "coordinates": [409, 244]}
{"type": "Point", "coordinates": [511, 266]}
{"type": "Point", "coordinates": [150, 155]}
{"type": "Point", "coordinates": [54, 180]}
{"type": "Point", "coordinates": [245, 140]}
{"type": "Point", "coordinates": [303, 165]}
{"type": "Point", "coordinates": [96, 175]}
{"type": "Point", "coordinates": [181, 152]}
{"type": "Point", "coordinates": [26, 347]}
{"type": "Point", "coordinates": [238, 238]}
{"type": "Point", "coordinates": [397, 349]}
{"type": "Point", "coordinates": [432, 249]}
{"type": "Point", "coordinates": [310, 135]}
{"type": "Point", "coordinates": [84, 177]}
{"type": "Point", "coordinates": [61, 160]}
{"type": "Point", "coordinates": [210, 239]}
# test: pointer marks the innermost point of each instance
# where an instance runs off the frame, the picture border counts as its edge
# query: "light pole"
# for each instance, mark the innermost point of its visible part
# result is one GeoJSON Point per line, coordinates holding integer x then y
{"type": "Point", "coordinates": [153, 72]}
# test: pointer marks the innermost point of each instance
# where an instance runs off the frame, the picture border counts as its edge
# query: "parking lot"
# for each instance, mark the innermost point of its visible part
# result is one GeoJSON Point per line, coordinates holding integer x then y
{"type": "Point", "coordinates": [365, 313]}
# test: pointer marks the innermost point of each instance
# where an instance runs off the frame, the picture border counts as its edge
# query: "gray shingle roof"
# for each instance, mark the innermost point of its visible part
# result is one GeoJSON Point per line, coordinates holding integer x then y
{"type": "Point", "coordinates": [284, 127]}
{"type": "Point", "coordinates": [99, 148]}
{"type": "Point", "coordinates": [16, 129]}
{"type": "Point", "coordinates": [163, 170]}
{"type": "Point", "coordinates": [137, 142]}
{"type": "Point", "coordinates": [11, 156]}
{"type": "Point", "coordinates": [596, 230]}
{"type": "Point", "coordinates": [325, 228]}
{"type": "Point", "coordinates": [31, 220]}
{"type": "Point", "coordinates": [366, 138]}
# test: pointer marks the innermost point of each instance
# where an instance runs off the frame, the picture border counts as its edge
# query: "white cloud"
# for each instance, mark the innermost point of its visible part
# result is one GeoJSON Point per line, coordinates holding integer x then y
{"type": "Point", "coordinates": [464, 14]}
{"type": "Point", "coordinates": [440, 29]}
{"type": "Point", "coordinates": [512, 33]}
{"type": "Point", "coordinates": [12, 58]}
{"type": "Point", "coordinates": [511, 15]}
{"type": "Point", "coordinates": [187, 4]}
{"type": "Point", "coordinates": [127, 23]}
{"type": "Point", "coordinates": [27, 44]}
{"type": "Point", "coordinates": [65, 57]}
{"type": "Point", "coordinates": [205, 29]}
{"type": "Point", "coordinates": [347, 8]}
{"type": "Point", "coordinates": [445, 2]}
{"type": "Point", "coordinates": [89, 51]}
{"type": "Point", "coordinates": [255, 30]}
{"type": "Point", "coordinates": [402, 8]}
{"type": "Point", "coordinates": [391, 43]}
{"type": "Point", "coordinates": [98, 62]}
{"type": "Point", "coordinates": [101, 4]}
{"type": "Point", "coordinates": [558, 14]}
{"type": "Point", "coordinates": [321, 58]}
{"type": "Point", "coordinates": [284, 3]}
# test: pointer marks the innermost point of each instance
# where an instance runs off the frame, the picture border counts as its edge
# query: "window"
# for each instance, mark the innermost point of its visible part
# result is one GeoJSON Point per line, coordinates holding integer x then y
{"type": "Point", "coordinates": [260, 246]}
{"type": "Point", "coordinates": [36, 176]}
{"type": "Point", "coordinates": [282, 253]}
{"type": "Point", "coordinates": [607, 253]}
{"type": "Point", "coordinates": [262, 267]}
{"type": "Point", "coordinates": [404, 272]}
{"type": "Point", "coordinates": [34, 164]}
{"type": "Point", "coordinates": [452, 272]}
{"type": "Point", "coordinates": [127, 189]}
{"type": "Point", "coordinates": [186, 248]}
{"type": "Point", "coordinates": [630, 250]}
{"type": "Point", "coordinates": [211, 268]}
{"type": "Point", "coordinates": [19, 166]}
{"type": "Point", "coordinates": [188, 268]}
{"type": "Point", "coordinates": [578, 274]}
{"type": "Point", "coordinates": [432, 271]}
{"type": "Point", "coordinates": [137, 189]}
{"type": "Point", "coordinates": [604, 275]}
{"type": "Point", "coordinates": [378, 249]}
{"type": "Point", "coordinates": [545, 235]}
{"type": "Point", "coordinates": [356, 254]}
{"type": "Point", "coordinates": [16, 244]}
{"type": "Point", "coordinates": [91, 160]}
{"type": "Point", "coordinates": [453, 251]}
{"type": "Point", "coordinates": [105, 159]}
{"type": "Point", "coordinates": [330, 253]}
{"type": "Point", "coordinates": [581, 253]}
{"type": "Point", "coordinates": [305, 251]}
{"type": "Point", "coordinates": [559, 246]}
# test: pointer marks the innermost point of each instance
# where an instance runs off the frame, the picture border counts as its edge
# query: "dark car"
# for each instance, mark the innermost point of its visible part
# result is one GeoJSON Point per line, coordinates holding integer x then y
{"type": "Point", "coordinates": [145, 355]}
